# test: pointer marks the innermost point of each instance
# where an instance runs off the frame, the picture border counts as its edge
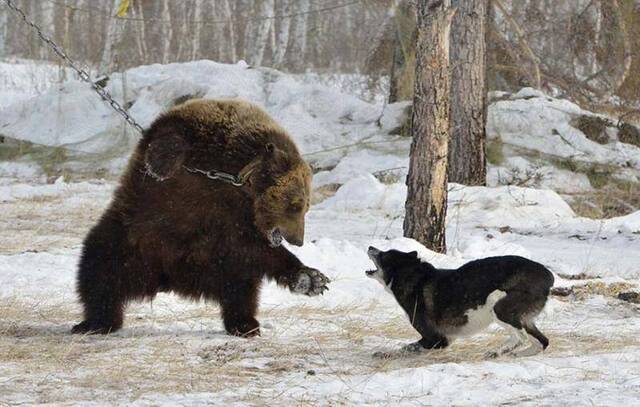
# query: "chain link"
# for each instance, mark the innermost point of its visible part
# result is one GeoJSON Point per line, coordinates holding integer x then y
{"type": "Point", "coordinates": [234, 180]}
{"type": "Point", "coordinates": [82, 74]}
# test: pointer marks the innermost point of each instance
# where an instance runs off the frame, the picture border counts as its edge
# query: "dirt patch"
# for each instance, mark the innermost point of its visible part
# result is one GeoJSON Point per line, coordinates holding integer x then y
{"type": "Point", "coordinates": [591, 288]}
{"type": "Point", "coordinates": [593, 127]}
{"type": "Point", "coordinates": [629, 134]}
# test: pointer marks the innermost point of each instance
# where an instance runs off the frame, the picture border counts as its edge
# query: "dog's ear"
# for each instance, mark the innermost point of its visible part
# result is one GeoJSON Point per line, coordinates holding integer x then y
{"type": "Point", "coordinates": [413, 254]}
{"type": "Point", "coordinates": [164, 156]}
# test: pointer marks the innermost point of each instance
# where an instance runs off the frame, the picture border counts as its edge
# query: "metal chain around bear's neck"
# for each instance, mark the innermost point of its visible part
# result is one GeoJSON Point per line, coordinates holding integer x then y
{"type": "Point", "coordinates": [234, 180]}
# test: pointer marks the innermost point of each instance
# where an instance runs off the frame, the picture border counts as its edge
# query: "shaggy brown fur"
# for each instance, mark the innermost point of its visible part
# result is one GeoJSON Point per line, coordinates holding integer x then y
{"type": "Point", "coordinates": [169, 229]}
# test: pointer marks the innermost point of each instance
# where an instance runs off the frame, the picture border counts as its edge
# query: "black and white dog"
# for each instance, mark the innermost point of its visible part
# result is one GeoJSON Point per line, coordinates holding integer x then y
{"type": "Point", "coordinates": [445, 304]}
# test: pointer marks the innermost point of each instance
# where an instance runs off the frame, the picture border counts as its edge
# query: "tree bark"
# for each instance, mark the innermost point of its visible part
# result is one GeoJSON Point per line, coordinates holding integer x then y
{"type": "Point", "coordinates": [4, 20]}
{"type": "Point", "coordinates": [258, 36]}
{"type": "Point", "coordinates": [397, 64]}
{"type": "Point", "coordinates": [140, 33]}
{"type": "Point", "coordinates": [426, 204]}
{"type": "Point", "coordinates": [115, 30]}
{"type": "Point", "coordinates": [468, 93]}
{"type": "Point", "coordinates": [283, 8]}
{"type": "Point", "coordinates": [167, 32]}
{"type": "Point", "coordinates": [298, 49]}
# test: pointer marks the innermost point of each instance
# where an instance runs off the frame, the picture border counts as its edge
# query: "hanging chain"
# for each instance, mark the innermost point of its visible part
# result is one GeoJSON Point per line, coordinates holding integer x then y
{"type": "Point", "coordinates": [102, 92]}
{"type": "Point", "coordinates": [104, 95]}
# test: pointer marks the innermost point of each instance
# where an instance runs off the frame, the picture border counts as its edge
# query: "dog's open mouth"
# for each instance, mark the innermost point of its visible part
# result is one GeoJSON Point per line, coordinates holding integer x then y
{"type": "Point", "coordinates": [275, 237]}
{"type": "Point", "coordinates": [373, 255]}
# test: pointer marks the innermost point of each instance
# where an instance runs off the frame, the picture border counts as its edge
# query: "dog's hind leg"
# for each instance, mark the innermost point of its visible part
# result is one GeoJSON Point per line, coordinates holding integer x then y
{"type": "Point", "coordinates": [533, 331]}
{"type": "Point", "coordinates": [537, 341]}
{"type": "Point", "coordinates": [517, 310]}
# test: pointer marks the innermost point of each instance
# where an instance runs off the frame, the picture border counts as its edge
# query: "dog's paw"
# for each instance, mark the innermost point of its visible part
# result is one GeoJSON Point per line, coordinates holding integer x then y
{"type": "Point", "coordinates": [310, 282]}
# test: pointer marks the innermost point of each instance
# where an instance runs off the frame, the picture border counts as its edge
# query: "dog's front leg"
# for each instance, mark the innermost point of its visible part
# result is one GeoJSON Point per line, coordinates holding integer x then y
{"type": "Point", "coordinates": [431, 339]}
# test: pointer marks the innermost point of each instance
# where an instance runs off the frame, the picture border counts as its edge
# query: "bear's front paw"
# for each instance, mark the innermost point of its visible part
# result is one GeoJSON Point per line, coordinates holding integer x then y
{"type": "Point", "coordinates": [310, 282]}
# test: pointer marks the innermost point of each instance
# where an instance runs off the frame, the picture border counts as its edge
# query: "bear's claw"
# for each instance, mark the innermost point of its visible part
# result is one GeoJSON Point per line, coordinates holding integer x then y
{"type": "Point", "coordinates": [310, 282]}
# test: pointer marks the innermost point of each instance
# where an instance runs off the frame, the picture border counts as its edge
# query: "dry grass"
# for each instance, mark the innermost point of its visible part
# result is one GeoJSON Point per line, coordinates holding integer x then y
{"type": "Point", "coordinates": [592, 288]}
{"type": "Point", "coordinates": [153, 355]}
{"type": "Point", "coordinates": [613, 198]}
{"type": "Point", "coordinates": [46, 222]}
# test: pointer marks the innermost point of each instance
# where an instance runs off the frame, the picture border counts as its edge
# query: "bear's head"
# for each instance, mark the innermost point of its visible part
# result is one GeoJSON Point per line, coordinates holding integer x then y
{"type": "Point", "coordinates": [277, 182]}
{"type": "Point", "coordinates": [280, 186]}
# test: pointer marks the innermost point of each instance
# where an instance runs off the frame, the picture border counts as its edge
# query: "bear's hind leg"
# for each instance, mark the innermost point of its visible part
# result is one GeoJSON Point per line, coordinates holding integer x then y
{"type": "Point", "coordinates": [239, 302]}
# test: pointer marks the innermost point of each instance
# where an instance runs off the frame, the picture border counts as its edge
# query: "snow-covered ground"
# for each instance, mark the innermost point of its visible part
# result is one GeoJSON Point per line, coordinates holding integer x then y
{"type": "Point", "coordinates": [313, 351]}
{"type": "Point", "coordinates": [320, 350]}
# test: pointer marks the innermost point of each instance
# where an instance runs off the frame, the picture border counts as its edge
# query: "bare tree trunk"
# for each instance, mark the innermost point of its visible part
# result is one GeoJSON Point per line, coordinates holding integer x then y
{"type": "Point", "coordinates": [167, 32]}
{"type": "Point", "coordinates": [283, 8]}
{"type": "Point", "coordinates": [296, 60]}
{"type": "Point", "coordinates": [115, 29]}
{"type": "Point", "coordinates": [397, 65]}
{"type": "Point", "coordinates": [196, 28]}
{"type": "Point", "coordinates": [426, 205]}
{"type": "Point", "coordinates": [4, 43]}
{"type": "Point", "coordinates": [233, 54]}
{"type": "Point", "coordinates": [468, 93]}
{"type": "Point", "coordinates": [140, 33]}
{"type": "Point", "coordinates": [258, 36]}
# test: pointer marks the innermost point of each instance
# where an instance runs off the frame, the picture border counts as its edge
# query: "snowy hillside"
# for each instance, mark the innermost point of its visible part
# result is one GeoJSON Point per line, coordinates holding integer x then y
{"type": "Point", "coordinates": [317, 351]}
{"type": "Point", "coordinates": [533, 138]}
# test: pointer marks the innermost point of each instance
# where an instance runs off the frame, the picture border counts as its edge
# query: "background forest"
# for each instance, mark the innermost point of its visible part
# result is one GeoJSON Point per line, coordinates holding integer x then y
{"type": "Point", "coordinates": [586, 49]}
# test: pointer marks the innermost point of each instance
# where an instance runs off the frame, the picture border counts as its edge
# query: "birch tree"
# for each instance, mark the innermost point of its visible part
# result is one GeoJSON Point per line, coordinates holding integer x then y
{"type": "Point", "coordinates": [257, 36]}
{"type": "Point", "coordinates": [196, 15]}
{"type": "Point", "coordinates": [296, 60]}
{"type": "Point", "coordinates": [228, 13]}
{"type": "Point", "coordinates": [283, 8]}
{"type": "Point", "coordinates": [167, 31]}
{"type": "Point", "coordinates": [468, 93]}
{"type": "Point", "coordinates": [115, 29]}
{"type": "Point", "coordinates": [426, 205]}
{"type": "Point", "coordinates": [4, 41]}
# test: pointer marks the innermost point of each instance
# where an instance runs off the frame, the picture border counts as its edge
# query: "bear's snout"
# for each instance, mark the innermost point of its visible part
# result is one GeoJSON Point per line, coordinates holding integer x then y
{"type": "Point", "coordinates": [296, 238]}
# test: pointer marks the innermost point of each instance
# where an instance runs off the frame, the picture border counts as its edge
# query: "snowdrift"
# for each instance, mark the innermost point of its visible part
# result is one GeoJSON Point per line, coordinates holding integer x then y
{"type": "Point", "coordinates": [335, 131]}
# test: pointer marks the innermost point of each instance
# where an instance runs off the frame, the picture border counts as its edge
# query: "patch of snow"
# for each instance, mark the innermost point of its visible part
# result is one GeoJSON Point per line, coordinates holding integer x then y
{"type": "Point", "coordinates": [542, 125]}
{"type": "Point", "coordinates": [362, 163]}
{"type": "Point", "coordinates": [394, 115]}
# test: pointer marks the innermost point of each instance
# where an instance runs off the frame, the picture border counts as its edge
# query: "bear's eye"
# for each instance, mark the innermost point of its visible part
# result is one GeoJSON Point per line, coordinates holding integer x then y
{"type": "Point", "coordinates": [296, 206]}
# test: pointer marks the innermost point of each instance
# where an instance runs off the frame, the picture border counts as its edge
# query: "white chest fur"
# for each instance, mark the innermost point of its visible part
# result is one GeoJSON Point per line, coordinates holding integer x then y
{"type": "Point", "coordinates": [479, 318]}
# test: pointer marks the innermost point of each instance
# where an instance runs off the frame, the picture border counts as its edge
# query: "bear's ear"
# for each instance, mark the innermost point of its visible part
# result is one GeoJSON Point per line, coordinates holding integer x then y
{"type": "Point", "coordinates": [165, 156]}
{"type": "Point", "coordinates": [276, 160]}
{"type": "Point", "coordinates": [272, 161]}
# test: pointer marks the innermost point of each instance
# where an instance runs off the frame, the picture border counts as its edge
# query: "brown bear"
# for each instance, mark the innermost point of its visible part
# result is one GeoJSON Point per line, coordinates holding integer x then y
{"type": "Point", "coordinates": [172, 228]}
